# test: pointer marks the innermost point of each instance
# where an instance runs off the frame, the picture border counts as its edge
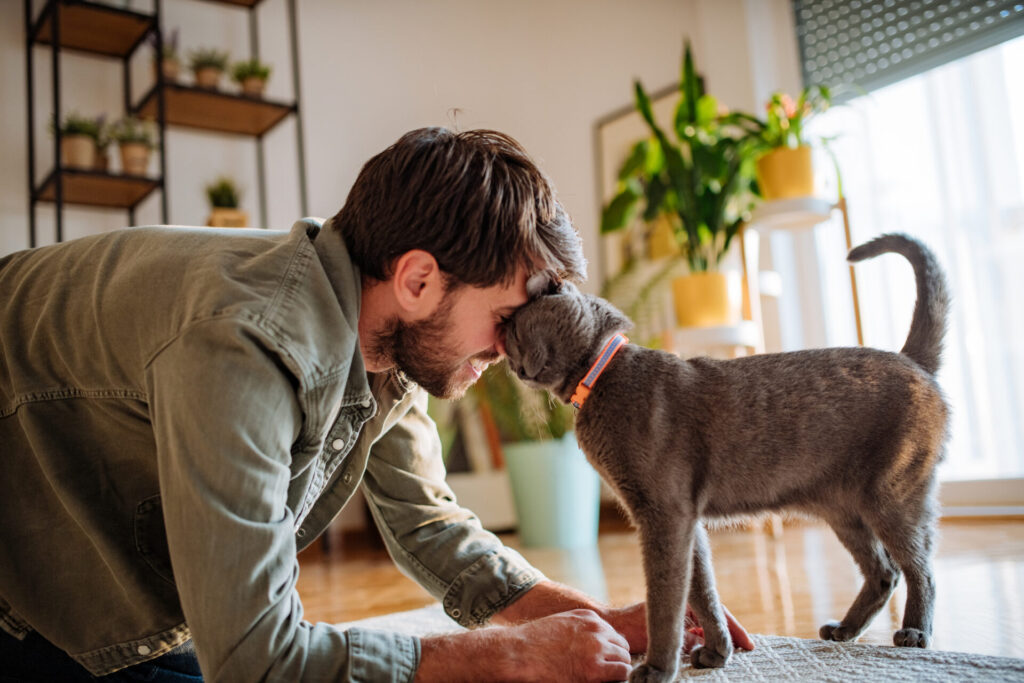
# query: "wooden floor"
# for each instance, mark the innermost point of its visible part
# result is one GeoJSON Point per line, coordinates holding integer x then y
{"type": "Point", "coordinates": [785, 585]}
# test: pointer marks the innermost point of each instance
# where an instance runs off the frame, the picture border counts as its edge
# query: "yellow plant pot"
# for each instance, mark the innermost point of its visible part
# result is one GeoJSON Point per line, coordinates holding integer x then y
{"type": "Point", "coordinates": [662, 239]}
{"type": "Point", "coordinates": [134, 158]}
{"type": "Point", "coordinates": [707, 299]}
{"type": "Point", "coordinates": [78, 151]}
{"type": "Point", "coordinates": [785, 173]}
{"type": "Point", "coordinates": [222, 217]}
{"type": "Point", "coordinates": [253, 86]}
{"type": "Point", "coordinates": [208, 77]}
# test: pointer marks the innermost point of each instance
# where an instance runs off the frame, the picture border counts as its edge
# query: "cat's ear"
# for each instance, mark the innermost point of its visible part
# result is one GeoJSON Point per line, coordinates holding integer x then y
{"type": "Point", "coordinates": [609, 318]}
{"type": "Point", "coordinates": [541, 283]}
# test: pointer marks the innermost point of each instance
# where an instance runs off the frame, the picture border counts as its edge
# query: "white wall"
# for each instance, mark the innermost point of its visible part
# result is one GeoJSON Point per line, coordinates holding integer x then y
{"type": "Point", "coordinates": [542, 70]}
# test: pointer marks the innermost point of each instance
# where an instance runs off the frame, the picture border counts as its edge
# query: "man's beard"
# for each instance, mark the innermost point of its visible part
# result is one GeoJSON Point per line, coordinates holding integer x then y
{"type": "Point", "coordinates": [418, 350]}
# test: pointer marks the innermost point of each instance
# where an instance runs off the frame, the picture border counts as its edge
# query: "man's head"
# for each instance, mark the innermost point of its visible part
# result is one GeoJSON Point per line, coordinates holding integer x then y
{"type": "Point", "coordinates": [455, 222]}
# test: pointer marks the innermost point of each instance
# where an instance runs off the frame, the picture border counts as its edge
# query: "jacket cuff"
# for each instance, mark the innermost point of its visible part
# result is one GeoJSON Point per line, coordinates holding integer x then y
{"type": "Point", "coordinates": [487, 586]}
{"type": "Point", "coordinates": [382, 655]}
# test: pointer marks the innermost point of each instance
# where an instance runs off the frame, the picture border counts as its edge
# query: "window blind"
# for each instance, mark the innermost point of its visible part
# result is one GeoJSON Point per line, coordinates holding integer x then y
{"type": "Point", "coordinates": [854, 46]}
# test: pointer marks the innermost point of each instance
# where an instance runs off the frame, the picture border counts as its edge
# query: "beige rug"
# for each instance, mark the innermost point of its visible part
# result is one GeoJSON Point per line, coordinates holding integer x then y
{"type": "Point", "coordinates": [787, 659]}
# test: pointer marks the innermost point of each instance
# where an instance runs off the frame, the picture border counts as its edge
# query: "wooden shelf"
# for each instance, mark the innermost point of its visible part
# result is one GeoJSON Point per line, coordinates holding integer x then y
{"type": "Point", "coordinates": [214, 110]}
{"type": "Point", "coordinates": [96, 188]}
{"type": "Point", "coordinates": [239, 3]}
{"type": "Point", "coordinates": [95, 28]}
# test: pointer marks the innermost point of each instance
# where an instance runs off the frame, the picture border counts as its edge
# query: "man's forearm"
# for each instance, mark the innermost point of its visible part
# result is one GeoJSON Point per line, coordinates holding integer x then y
{"type": "Point", "coordinates": [543, 599]}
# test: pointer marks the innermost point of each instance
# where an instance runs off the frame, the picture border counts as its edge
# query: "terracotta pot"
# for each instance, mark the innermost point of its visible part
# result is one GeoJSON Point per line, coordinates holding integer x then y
{"type": "Point", "coordinates": [134, 158]}
{"type": "Point", "coordinates": [253, 86]}
{"type": "Point", "coordinates": [78, 151]}
{"type": "Point", "coordinates": [785, 173]}
{"type": "Point", "coordinates": [171, 69]}
{"type": "Point", "coordinates": [222, 217]}
{"type": "Point", "coordinates": [208, 77]}
{"type": "Point", "coordinates": [707, 299]}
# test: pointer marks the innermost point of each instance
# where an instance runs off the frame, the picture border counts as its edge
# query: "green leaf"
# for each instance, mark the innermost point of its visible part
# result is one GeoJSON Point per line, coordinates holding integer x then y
{"type": "Point", "coordinates": [707, 110]}
{"type": "Point", "coordinates": [621, 210]}
{"type": "Point", "coordinates": [636, 161]}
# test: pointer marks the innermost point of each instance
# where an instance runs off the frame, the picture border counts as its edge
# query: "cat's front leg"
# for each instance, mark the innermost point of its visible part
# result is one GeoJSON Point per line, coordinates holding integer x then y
{"type": "Point", "coordinates": [666, 540]}
{"type": "Point", "coordinates": [703, 599]}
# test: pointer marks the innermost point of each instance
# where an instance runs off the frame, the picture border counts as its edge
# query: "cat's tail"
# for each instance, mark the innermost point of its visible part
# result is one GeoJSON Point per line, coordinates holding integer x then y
{"type": "Point", "coordinates": [931, 312]}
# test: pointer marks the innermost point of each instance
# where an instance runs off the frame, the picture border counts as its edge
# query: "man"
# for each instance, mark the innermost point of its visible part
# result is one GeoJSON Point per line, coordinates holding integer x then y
{"type": "Point", "coordinates": [182, 410]}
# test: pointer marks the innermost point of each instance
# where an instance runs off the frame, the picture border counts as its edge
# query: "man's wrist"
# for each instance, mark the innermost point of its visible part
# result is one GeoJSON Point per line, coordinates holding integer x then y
{"type": "Point", "coordinates": [483, 654]}
{"type": "Point", "coordinates": [546, 598]}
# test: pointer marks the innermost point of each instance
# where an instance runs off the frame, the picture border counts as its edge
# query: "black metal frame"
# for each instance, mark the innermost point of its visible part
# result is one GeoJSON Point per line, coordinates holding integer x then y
{"type": "Point", "coordinates": [52, 11]}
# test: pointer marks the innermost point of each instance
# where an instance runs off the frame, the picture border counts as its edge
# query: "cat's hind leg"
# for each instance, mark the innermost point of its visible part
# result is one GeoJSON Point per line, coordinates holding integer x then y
{"type": "Point", "coordinates": [666, 540]}
{"type": "Point", "coordinates": [907, 530]}
{"type": "Point", "coordinates": [879, 571]}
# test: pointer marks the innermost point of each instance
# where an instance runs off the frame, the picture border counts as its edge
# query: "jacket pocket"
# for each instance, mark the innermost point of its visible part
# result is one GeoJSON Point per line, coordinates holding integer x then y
{"type": "Point", "coordinates": [151, 537]}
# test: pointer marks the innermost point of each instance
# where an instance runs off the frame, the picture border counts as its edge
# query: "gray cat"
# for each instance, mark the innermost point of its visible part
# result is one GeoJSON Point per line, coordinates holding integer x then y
{"type": "Point", "coordinates": [849, 435]}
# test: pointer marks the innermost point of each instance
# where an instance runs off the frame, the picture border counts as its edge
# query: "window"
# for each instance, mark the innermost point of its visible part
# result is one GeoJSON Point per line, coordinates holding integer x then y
{"type": "Point", "coordinates": [940, 156]}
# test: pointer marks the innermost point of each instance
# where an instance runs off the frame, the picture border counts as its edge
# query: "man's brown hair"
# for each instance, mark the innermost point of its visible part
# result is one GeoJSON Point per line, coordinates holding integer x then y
{"type": "Point", "coordinates": [474, 200]}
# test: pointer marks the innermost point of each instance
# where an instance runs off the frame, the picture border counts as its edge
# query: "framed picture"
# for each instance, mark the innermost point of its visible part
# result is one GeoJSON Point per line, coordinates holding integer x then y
{"type": "Point", "coordinates": [650, 309]}
{"type": "Point", "coordinates": [615, 134]}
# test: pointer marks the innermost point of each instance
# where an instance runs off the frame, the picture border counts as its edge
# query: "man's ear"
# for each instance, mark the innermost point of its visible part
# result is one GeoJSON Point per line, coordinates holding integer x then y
{"type": "Point", "coordinates": [417, 283]}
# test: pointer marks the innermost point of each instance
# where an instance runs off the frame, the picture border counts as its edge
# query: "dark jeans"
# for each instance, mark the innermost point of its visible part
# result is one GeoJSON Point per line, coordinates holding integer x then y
{"type": "Point", "coordinates": [36, 659]}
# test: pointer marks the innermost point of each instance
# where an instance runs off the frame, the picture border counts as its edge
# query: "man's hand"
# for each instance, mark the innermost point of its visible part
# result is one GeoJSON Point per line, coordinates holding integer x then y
{"type": "Point", "coordinates": [577, 645]}
{"type": "Point", "coordinates": [631, 622]}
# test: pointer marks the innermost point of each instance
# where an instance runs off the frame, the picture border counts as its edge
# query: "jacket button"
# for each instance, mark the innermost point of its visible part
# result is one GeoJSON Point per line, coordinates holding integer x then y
{"type": "Point", "coordinates": [456, 613]}
{"type": "Point", "coordinates": [365, 403]}
{"type": "Point", "coordinates": [337, 444]}
{"type": "Point", "coordinates": [143, 650]}
{"type": "Point", "coordinates": [347, 478]}
{"type": "Point", "coordinates": [301, 532]}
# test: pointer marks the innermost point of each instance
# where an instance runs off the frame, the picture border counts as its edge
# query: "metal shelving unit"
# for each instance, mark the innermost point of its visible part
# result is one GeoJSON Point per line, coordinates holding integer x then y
{"type": "Point", "coordinates": [108, 32]}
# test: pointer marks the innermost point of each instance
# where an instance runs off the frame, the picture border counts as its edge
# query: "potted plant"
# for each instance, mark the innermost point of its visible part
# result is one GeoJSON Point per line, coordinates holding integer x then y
{"type": "Point", "coordinates": [136, 140]}
{"type": "Point", "coordinates": [78, 137]}
{"type": "Point", "coordinates": [223, 196]}
{"type": "Point", "coordinates": [168, 61]}
{"type": "Point", "coordinates": [701, 179]}
{"type": "Point", "coordinates": [252, 76]}
{"type": "Point", "coordinates": [784, 169]}
{"type": "Point", "coordinates": [207, 66]}
{"type": "Point", "coordinates": [103, 141]}
{"type": "Point", "coordinates": [555, 490]}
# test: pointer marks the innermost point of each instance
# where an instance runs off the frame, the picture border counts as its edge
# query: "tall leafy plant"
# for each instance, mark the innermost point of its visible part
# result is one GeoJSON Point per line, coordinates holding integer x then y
{"type": "Point", "coordinates": [701, 177]}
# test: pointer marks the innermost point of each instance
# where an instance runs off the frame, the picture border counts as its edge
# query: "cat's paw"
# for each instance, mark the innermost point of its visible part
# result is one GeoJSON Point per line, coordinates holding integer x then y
{"type": "Point", "coordinates": [648, 674]}
{"type": "Point", "coordinates": [833, 630]}
{"type": "Point", "coordinates": [910, 637]}
{"type": "Point", "coordinates": [704, 657]}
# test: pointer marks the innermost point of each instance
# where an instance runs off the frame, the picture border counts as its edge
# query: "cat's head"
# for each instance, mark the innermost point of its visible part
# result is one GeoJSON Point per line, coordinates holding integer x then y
{"type": "Point", "coordinates": [553, 339]}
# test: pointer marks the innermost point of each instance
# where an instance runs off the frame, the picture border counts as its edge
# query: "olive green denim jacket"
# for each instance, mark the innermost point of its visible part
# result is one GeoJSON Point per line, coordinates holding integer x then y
{"type": "Point", "coordinates": [181, 411]}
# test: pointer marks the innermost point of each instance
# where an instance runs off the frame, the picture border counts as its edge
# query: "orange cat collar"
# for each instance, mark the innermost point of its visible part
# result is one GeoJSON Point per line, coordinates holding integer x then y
{"type": "Point", "coordinates": [607, 353]}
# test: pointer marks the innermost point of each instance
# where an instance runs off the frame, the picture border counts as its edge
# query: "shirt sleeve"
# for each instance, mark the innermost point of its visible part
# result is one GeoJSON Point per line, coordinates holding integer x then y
{"type": "Point", "coordinates": [225, 414]}
{"type": "Point", "coordinates": [438, 544]}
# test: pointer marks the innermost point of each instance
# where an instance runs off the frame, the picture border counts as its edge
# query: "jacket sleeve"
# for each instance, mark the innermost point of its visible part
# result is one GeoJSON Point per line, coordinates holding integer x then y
{"type": "Point", "coordinates": [225, 414]}
{"type": "Point", "coordinates": [434, 541]}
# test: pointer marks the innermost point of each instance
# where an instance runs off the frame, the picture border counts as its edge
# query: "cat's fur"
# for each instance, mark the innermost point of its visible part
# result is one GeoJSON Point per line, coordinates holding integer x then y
{"type": "Point", "coordinates": [850, 435]}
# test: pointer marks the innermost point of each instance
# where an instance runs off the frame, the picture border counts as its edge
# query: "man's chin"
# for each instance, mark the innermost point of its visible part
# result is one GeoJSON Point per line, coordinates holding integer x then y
{"type": "Point", "coordinates": [451, 387]}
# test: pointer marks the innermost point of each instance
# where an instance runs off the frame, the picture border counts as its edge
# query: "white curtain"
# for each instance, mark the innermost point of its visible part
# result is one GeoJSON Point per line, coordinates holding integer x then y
{"type": "Point", "coordinates": [939, 156]}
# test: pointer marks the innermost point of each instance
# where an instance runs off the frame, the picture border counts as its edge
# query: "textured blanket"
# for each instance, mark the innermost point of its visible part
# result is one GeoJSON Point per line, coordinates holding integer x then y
{"type": "Point", "coordinates": [787, 659]}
